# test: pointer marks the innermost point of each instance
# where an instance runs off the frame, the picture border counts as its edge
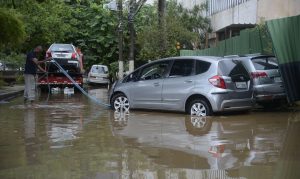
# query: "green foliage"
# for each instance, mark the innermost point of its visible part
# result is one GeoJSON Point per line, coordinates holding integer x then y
{"type": "Point", "coordinates": [13, 58]}
{"type": "Point", "coordinates": [184, 26]}
{"type": "Point", "coordinates": [87, 25]}
{"type": "Point", "coordinates": [45, 22]}
{"type": "Point", "coordinates": [12, 31]}
{"type": "Point", "coordinates": [95, 32]}
{"type": "Point", "coordinates": [265, 38]}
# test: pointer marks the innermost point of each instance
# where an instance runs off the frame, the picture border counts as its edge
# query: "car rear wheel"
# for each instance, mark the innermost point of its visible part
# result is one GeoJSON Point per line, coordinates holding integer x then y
{"type": "Point", "coordinates": [120, 102]}
{"type": "Point", "coordinates": [199, 107]}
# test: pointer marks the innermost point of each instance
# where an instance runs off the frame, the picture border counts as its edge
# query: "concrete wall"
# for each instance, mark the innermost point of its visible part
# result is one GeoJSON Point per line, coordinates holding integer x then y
{"type": "Point", "coordinates": [242, 14]}
{"type": "Point", "coordinates": [274, 9]}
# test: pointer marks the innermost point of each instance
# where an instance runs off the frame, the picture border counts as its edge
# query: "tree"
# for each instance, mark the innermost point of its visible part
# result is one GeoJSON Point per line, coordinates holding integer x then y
{"type": "Point", "coordinates": [94, 30]}
{"type": "Point", "coordinates": [181, 26]}
{"type": "Point", "coordinates": [12, 31]}
{"type": "Point", "coordinates": [45, 22]}
{"type": "Point", "coordinates": [162, 23]}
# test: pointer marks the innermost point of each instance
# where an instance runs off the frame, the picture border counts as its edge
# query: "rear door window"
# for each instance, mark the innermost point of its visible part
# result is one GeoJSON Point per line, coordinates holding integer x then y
{"type": "Point", "coordinates": [182, 67]}
{"type": "Point", "coordinates": [234, 69]}
{"type": "Point", "coordinates": [201, 67]}
{"type": "Point", "coordinates": [265, 63]}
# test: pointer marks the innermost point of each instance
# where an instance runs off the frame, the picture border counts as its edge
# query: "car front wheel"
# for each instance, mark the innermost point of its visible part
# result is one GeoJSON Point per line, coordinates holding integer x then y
{"type": "Point", "coordinates": [120, 102]}
{"type": "Point", "coordinates": [199, 107]}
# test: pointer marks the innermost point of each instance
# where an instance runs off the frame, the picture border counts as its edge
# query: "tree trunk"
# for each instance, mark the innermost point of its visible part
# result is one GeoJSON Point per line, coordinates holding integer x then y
{"type": "Point", "coordinates": [132, 8]}
{"type": "Point", "coordinates": [162, 24]}
{"type": "Point", "coordinates": [120, 43]}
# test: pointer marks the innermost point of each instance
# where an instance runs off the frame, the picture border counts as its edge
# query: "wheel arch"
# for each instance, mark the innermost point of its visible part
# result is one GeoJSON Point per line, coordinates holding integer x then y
{"type": "Point", "coordinates": [116, 93]}
{"type": "Point", "coordinates": [193, 97]}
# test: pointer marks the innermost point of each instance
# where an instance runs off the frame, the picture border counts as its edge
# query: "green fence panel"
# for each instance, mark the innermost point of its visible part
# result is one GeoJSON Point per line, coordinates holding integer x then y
{"type": "Point", "coordinates": [229, 46]}
{"type": "Point", "coordinates": [255, 41]}
{"type": "Point", "coordinates": [244, 42]}
{"type": "Point", "coordinates": [285, 34]}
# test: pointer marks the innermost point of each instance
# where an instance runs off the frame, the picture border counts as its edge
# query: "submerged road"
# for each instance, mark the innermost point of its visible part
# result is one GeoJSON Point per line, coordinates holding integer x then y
{"type": "Point", "coordinates": [71, 137]}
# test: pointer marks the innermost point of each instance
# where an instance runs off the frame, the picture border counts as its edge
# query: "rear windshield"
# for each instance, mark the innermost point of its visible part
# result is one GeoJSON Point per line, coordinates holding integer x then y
{"type": "Point", "coordinates": [98, 69]}
{"type": "Point", "coordinates": [266, 63]}
{"type": "Point", "coordinates": [62, 48]}
{"type": "Point", "coordinates": [234, 69]}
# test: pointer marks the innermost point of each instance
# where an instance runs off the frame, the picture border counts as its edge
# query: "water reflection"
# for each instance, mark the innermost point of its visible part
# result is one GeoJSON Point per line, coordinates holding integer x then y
{"type": "Point", "coordinates": [70, 137]}
{"type": "Point", "coordinates": [225, 142]}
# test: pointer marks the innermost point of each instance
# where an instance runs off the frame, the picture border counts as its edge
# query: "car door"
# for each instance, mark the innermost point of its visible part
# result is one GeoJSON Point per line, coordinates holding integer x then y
{"type": "Point", "coordinates": [178, 84]}
{"type": "Point", "coordinates": [146, 92]}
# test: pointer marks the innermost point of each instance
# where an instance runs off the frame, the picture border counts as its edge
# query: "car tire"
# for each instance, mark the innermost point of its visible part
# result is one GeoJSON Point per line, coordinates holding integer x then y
{"type": "Point", "coordinates": [120, 102]}
{"type": "Point", "coordinates": [199, 107]}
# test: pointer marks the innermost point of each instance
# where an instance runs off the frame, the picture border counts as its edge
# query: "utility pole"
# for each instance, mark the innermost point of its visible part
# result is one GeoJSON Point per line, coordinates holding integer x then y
{"type": "Point", "coordinates": [162, 23]}
{"type": "Point", "coordinates": [120, 43]}
{"type": "Point", "coordinates": [134, 8]}
{"type": "Point", "coordinates": [132, 5]}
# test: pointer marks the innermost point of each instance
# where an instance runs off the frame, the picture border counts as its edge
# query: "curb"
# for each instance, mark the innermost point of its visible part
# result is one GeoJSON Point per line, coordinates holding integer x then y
{"type": "Point", "coordinates": [10, 95]}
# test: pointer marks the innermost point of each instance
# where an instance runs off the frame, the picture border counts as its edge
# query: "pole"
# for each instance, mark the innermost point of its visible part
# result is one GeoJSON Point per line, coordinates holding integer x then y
{"type": "Point", "coordinates": [120, 34]}
{"type": "Point", "coordinates": [132, 35]}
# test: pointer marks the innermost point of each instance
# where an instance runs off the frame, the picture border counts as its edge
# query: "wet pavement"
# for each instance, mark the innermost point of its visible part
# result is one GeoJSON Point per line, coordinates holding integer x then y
{"type": "Point", "coordinates": [71, 137]}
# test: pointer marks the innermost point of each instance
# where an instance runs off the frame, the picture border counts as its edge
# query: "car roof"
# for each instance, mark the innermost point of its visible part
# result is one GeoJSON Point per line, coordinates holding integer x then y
{"type": "Point", "coordinates": [204, 58]}
{"type": "Point", "coordinates": [61, 44]}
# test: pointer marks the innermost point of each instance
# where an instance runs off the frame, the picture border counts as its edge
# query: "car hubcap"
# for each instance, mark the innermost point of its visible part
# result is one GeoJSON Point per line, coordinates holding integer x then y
{"type": "Point", "coordinates": [198, 122]}
{"type": "Point", "coordinates": [198, 109]}
{"type": "Point", "coordinates": [121, 103]}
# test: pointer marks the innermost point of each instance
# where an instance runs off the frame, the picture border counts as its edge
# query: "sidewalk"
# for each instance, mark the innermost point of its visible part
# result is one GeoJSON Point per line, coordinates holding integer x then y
{"type": "Point", "coordinates": [8, 92]}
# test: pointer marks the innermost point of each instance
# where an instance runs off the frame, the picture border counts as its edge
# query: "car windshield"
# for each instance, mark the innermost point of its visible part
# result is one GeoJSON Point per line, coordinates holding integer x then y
{"type": "Point", "coordinates": [62, 48]}
{"type": "Point", "coordinates": [97, 69]}
{"type": "Point", "coordinates": [266, 63]}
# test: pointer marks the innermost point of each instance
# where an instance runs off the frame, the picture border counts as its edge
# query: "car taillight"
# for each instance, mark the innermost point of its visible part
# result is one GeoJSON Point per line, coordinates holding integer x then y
{"type": "Point", "coordinates": [217, 81]}
{"type": "Point", "coordinates": [259, 74]}
{"type": "Point", "coordinates": [48, 54]}
{"type": "Point", "coordinates": [74, 56]}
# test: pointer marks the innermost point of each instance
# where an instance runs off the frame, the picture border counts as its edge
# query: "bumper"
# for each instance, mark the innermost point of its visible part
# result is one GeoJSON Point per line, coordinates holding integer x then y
{"type": "Point", "coordinates": [225, 102]}
{"type": "Point", "coordinates": [98, 81]}
{"type": "Point", "coordinates": [237, 104]}
{"type": "Point", "coordinates": [270, 97]}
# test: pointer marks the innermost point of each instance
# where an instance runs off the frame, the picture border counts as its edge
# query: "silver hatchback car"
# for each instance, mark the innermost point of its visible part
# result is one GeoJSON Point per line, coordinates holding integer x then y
{"type": "Point", "coordinates": [268, 86]}
{"type": "Point", "coordinates": [194, 84]}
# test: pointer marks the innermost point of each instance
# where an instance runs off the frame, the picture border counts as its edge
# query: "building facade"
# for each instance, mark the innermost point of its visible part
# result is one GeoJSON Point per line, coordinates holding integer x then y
{"type": "Point", "coordinates": [229, 17]}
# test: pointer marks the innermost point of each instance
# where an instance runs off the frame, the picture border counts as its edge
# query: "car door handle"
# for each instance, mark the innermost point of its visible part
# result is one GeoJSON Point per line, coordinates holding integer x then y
{"type": "Point", "coordinates": [188, 81]}
{"type": "Point", "coordinates": [156, 84]}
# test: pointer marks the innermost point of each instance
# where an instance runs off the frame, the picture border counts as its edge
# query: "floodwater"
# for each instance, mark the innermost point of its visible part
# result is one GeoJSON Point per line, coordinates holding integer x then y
{"type": "Point", "coordinates": [71, 137]}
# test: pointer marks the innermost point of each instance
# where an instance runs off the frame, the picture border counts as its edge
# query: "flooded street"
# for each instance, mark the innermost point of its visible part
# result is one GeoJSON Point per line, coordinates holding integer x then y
{"type": "Point", "coordinates": [71, 137]}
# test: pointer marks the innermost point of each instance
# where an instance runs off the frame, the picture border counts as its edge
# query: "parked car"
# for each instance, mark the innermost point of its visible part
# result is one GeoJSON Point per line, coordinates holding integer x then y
{"type": "Point", "coordinates": [267, 82]}
{"type": "Point", "coordinates": [196, 85]}
{"type": "Point", "coordinates": [98, 75]}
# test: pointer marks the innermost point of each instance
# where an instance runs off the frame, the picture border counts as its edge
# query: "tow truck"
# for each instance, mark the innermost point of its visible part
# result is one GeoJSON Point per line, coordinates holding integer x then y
{"type": "Point", "coordinates": [70, 59]}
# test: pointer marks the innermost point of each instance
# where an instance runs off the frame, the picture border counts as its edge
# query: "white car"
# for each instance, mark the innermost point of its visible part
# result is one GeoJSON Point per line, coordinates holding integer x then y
{"type": "Point", "coordinates": [98, 75]}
